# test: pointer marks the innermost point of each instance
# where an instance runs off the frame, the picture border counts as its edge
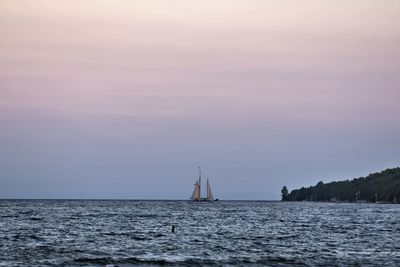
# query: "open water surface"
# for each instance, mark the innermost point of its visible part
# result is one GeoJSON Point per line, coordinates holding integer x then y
{"type": "Point", "coordinates": [223, 233]}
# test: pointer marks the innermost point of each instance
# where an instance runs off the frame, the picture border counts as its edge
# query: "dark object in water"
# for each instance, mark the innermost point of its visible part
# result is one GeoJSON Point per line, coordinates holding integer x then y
{"type": "Point", "coordinates": [173, 229]}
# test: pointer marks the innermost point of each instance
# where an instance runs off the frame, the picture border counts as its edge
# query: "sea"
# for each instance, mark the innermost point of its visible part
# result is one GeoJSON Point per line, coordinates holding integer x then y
{"type": "Point", "coordinates": [222, 233]}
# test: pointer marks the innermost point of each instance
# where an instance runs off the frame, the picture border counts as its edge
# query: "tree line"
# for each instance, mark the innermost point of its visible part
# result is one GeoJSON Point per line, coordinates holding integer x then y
{"type": "Point", "coordinates": [382, 186]}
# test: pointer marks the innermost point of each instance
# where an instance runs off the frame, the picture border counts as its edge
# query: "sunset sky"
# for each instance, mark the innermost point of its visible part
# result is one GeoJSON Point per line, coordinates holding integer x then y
{"type": "Point", "coordinates": [125, 99]}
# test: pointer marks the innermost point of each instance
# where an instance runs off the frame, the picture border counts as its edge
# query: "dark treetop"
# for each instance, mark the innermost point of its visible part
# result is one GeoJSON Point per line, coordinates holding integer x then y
{"type": "Point", "coordinates": [377, 187]}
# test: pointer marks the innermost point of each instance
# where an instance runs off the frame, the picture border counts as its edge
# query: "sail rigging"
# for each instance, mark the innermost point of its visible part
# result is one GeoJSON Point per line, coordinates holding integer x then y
{"type": "Point", "coordinates": [196, 195]}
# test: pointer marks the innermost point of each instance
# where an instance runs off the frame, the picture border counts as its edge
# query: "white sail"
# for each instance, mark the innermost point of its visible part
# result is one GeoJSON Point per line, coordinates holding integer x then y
{"type": "Point", "coordinates": [196, 195]}
{"type": "Point", "coordinates": [209, 192]}
{"type": "Point", "coordinates": [196, 192]}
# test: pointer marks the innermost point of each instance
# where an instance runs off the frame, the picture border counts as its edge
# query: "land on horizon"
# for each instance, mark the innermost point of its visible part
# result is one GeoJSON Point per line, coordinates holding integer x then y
{"type": "Point", "coordinates": [379, 187]}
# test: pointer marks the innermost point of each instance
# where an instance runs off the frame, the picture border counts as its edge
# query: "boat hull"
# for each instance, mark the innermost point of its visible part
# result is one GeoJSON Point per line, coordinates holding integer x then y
{"type": "Point", "coordinates": [205, 200]}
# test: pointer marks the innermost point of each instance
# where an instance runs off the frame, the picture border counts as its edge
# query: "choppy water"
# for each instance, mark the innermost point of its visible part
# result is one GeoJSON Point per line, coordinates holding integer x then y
{"type": "Point", "coordinates": [224, 233]}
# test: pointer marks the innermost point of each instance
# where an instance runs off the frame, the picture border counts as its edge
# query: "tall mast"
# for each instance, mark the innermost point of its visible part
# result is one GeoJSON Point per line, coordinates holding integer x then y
{"type": "Point", "coordinates": [208, 190]}
{"type": "Point", "coordinates": [200, 182]}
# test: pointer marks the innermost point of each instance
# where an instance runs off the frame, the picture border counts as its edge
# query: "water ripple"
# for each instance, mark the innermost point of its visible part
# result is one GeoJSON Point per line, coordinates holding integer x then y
{"type": "Point", "coordinates": [225, 233]}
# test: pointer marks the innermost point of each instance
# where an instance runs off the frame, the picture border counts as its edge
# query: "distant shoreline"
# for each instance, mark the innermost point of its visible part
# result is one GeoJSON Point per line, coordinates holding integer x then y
{"type": "Point", "coordinates": [380, 187]}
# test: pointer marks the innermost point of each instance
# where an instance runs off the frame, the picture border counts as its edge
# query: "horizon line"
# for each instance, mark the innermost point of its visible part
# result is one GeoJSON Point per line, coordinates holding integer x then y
{"type": "Point", "coordinates": [136, 199]}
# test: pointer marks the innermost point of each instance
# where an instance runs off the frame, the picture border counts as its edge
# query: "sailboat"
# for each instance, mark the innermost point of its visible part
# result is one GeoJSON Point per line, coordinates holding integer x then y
{"type": "Point", "coordinates": [196, 196]}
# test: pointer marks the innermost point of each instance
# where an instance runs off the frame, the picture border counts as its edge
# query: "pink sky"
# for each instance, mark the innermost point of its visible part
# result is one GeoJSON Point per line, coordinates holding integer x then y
{"type": "Point", "coordinates": [243, 88]}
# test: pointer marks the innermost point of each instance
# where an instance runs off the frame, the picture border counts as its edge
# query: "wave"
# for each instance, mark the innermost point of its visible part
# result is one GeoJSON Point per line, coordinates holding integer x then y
{"type": "Point", "coordinates": [276, 261]}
